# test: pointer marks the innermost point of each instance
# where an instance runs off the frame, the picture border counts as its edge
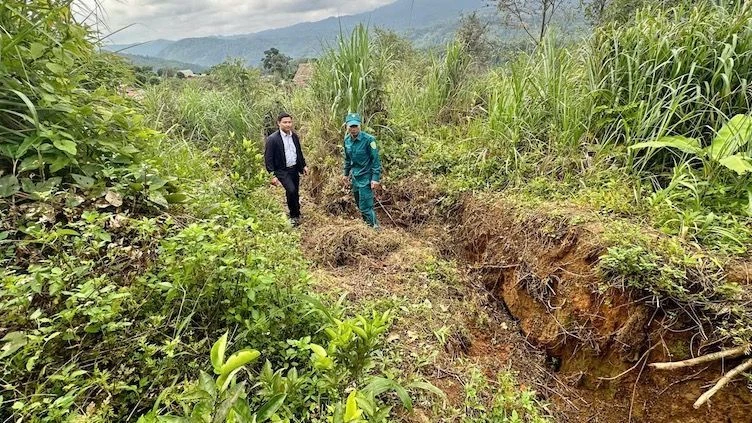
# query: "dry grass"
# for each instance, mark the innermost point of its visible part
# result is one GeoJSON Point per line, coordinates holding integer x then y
{"type": "Point", "coordinates": [445, 325]}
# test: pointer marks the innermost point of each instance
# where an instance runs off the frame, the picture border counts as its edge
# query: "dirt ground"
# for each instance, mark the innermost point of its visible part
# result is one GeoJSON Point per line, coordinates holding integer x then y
{"type": "Point", "coordinates": [488, 288]}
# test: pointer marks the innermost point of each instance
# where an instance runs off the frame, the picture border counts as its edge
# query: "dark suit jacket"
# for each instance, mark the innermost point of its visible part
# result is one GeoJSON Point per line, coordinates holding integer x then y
{"type": "Point", "coordinates": [274, 153]}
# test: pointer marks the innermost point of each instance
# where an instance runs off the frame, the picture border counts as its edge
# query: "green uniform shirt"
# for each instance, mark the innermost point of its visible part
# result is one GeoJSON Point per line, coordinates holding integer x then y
{"type": "Point", "coordinates": [362, 161]}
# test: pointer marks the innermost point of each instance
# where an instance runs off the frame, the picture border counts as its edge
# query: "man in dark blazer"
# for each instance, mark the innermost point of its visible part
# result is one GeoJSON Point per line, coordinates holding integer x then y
{"type": "Point", "coordinates": [285, 162]}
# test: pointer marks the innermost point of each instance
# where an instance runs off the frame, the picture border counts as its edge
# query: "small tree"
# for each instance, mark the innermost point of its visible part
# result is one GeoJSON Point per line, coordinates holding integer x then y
{"type": "Point", "coordinates": [533, 16]}
{"type": "Point", "coordinates": [473, 35]}
{"type": "Point", "coordinates": [167, 72]}
{"type": "Point", "coordinates": [276, 63]}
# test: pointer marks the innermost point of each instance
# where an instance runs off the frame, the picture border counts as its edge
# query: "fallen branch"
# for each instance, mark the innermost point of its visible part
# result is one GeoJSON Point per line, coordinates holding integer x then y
{"type": "Point", "coordinates": [721, 383]}
{"type": "Point", "coordinates": [730, 353]}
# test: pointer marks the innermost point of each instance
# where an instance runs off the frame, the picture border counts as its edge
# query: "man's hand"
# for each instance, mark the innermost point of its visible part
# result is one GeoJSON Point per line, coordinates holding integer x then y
{"type": "Point", "coordinates": [345, 179]}
{"type": "Point", "coordinates": [375, 184]}
{"type": "Point", "coordinates": [276, 182]}
{"type": "Point", "coordinates": [305, 170]}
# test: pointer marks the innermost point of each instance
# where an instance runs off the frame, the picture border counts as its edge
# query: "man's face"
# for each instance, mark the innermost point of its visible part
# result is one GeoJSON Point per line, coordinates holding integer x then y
{"type": "Point", "coordinates": [285, 124]}
{"type": "Point", "coordinates": [354, 130]}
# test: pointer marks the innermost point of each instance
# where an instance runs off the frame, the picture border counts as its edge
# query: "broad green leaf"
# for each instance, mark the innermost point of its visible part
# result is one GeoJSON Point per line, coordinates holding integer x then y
{"type": "Point", "coordinates": [66, 232]}
{"type": "Point", "coordinates": [25, 145]}
{"type": "Point", "coordinates": [173, 419]}
{"type": "Point", "coordinates": [367, 405]}
{"type": "Point", "coordinates": [379, 385]}
{"type": "Point", "coordinates": [318, 349]}
{"type": "Point", "coordinates": [13, 342]}
{"type": "Point", "coordinates": [206, 383]}
{"type": "Point", "coordinates": [158, 199]}
{"type": "Point", "coordinates": [267, 410]}
{"type": "Point", "coordinates": [218, 353]}
{"type": "Point", "coordinates": [352, 411]}
{"type": "Point", "coordinates": [60, 162]}
{"type": "Point", "coordinates": [239, 359]}
{"type": "Point", "coordinates": [30, 106]}
{"type": "Point", "coordinates": [37, 50]}
{"type": "Point", "coordinates": [426, 386]}
{"type": "Point", "coordinates": [30, 163]}
{"type": "Point", "coordinates": [360, 332]}
{"type": "Point", "coordinates": [224, 408]}
{"type": "Point", "coordinates": [66, 145]}
{"type": "Point", "coordinates": [383, 414]}
{"type": "Point", "coordinates": [176, 198]}
{"type": "Point", "coordinates": [736, 133]}
{"type": "Point", "coordinates": [8, 186]}
{"type": "Point", "coordinates": [242, 412]}
{"type": "Point", "coordinates": [55, 68]}
{"type": "Point", "coordinates": [322, 363]}
{"type": "Point", "coordinates": [738, 163]}
{"type": "Point", "coordinates": [44, 186]}
{"type": "Point", "coordinates": [223, 381]}
{"type": "Point", "coordinates": [684, 144]}
{"type": "Point", "coordinates": [84, 182]}
{"type": "Point", "coordinates": [339, 414]}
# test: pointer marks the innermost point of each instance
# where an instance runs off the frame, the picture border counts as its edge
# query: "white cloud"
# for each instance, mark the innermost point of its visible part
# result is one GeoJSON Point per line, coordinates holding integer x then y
{"type": "Point", "coordinates": [173, 19]}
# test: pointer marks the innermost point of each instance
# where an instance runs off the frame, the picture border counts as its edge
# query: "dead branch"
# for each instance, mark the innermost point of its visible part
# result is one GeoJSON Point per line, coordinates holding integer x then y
{"type": "Point", "coordinates": [723, 382]}
{"type": "Point", "coordinates": [730, 353]}
{"type": "Point", "coordinates": [631, 368]}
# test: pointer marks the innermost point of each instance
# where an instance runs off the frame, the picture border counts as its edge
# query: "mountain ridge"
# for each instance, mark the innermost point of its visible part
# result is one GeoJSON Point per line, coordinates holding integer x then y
{"type": "Point", "coordinates": [306, 39]}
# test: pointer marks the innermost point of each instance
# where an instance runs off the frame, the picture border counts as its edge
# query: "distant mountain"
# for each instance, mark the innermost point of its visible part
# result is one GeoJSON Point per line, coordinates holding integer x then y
{"type": "Point", "coordinates": [424, 22]}
{"type": "Point", "coordinates": [149, 48]}
{"type": "Point", "coordinates": [157, 63]}
{"type": "Point", "coordinates": [306, 39]}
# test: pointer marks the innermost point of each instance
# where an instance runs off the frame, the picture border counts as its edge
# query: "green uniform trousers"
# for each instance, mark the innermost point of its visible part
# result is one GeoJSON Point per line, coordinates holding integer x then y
{"type": "Point", "coordinates": [364, 199]}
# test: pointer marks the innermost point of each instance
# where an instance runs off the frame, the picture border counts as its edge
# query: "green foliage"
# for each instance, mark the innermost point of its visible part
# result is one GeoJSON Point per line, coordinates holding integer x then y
{"type": "Point", "coordinates": [223, 400]}
{"type": "Point", "coordinates": [62, 124]}
{"type": "Point", "coordinates": [508, 403]}
{"type": "Point", "coordinates": [448, 80]}
{"type": "Point", "coordinates": [709, 187]}
{"type": "Point", "coordinates": [145, 76]}
{"type": "Point", "coordinates": [719, 159]}
{"type": "Point", "coordinates": [603, 12]}
{"type": "Point", "coordinates": [222, 115]}
{"type": "Point", "coordinates": [277, 64]}
{"type": "Point", "coordinates": [679, 279]}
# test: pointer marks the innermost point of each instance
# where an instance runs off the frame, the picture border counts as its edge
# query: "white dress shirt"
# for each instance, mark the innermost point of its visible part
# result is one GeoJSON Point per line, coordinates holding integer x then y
{"type": "Point", "coordinates": [291, 154]}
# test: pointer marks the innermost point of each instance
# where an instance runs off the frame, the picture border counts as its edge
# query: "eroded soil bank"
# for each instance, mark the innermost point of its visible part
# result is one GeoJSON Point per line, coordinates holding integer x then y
{"type": "Point", "coordinates": [543, 268]}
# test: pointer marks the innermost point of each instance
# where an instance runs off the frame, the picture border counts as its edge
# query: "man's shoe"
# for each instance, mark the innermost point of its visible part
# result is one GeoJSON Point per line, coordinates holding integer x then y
{"type": "Point", "coordinates": [295, 221]}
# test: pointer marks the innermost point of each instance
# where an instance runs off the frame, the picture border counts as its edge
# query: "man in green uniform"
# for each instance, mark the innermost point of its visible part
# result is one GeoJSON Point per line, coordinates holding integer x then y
{"type": "Point", "coordinates": [362, 168]}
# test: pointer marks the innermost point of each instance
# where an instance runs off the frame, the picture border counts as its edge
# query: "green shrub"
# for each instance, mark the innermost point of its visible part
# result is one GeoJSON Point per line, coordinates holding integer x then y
{"type": "Point", "coordinates": [61, 122]}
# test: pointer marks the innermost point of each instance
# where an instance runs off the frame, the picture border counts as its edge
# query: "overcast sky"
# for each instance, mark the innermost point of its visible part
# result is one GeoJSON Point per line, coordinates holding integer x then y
{"type": "Point", "coordinates": [175, 19]}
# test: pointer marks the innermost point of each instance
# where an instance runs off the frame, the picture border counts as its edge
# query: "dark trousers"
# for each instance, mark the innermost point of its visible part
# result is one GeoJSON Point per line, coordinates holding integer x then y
{"type": "Point", "coordinates": [290, 180]}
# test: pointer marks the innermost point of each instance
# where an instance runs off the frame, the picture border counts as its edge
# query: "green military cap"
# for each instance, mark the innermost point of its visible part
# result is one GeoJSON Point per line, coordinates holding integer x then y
{"type": "Point", "coordinates": [353, 119]}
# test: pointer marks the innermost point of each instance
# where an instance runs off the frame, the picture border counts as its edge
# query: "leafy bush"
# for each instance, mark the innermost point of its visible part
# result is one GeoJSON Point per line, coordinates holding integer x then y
{"type": "Point", "coordinates": [62, 124]}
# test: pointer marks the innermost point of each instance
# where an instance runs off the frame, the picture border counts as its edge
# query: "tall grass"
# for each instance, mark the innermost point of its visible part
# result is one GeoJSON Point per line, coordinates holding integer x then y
{"type": "Point", "coordinates": [448, 82]}
{"type": "Point", "coordinates": [350, 76]}
{"type": "Point", "coordinates": [539, 102]}
{"type": "Point", "coordinates": [202, 114]}
{"type": "Point", "coordinates": [222, 115]}
{"type": "Point", "coordinates": [681, 71]}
